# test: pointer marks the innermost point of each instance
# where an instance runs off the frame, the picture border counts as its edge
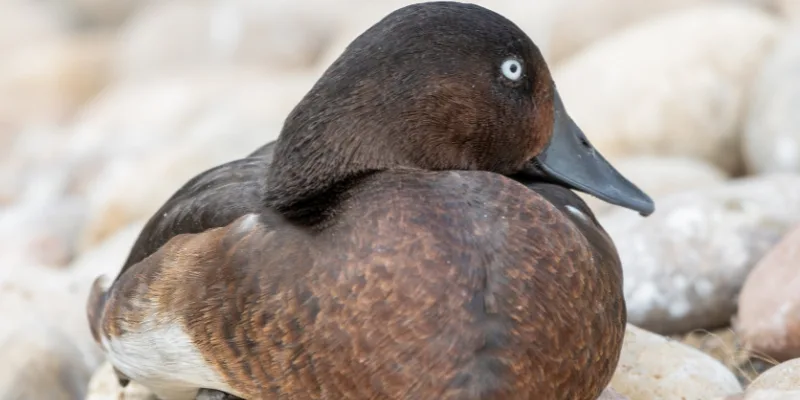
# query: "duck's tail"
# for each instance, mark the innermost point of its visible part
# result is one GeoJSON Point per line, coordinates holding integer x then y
{"type": "Point", "coordinates": [95, 308]}
{"type": "Point", "coordinates": [96, 305]}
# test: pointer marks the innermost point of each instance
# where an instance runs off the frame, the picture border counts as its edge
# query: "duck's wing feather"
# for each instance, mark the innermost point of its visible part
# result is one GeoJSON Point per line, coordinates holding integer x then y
{"type": "Point", "coordinates": [212, 199]}
{"type": "Point", "coordinates": [161, 320]}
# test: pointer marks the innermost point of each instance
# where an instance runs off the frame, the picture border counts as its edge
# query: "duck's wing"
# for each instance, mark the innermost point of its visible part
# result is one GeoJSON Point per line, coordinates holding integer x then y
{"type": "Point", "coordinates": [169, 320]}
{"type": "Point", "coordinates": [577, 211]}
{"type": "Point", "coordinates": [212, 199]}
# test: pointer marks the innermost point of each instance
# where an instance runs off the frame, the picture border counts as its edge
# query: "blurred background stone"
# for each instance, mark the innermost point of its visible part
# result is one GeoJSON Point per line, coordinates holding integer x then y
{"type": "Point", "coordinates": [23, 22]}
{"type": "Point", "coordinates": [41, 363]}
{"type": "Point", "coordinates": [685, 264]}
{"type": "Point", "coordinates": [106, 14]}
{"type": "Point", "coordinates": [789, 9]}
{"type": "Point", "coordinates": [277, 35]}
{"type": "Point", "coordinates": [48, 81]}
{"type": "Point", "coordinates": [771, 140]}
{"type": "Point", "coordinates": [41, 233]}
{"type": "Point", "coordinates": [172, 127]}
{"type": "Point", "coordinates": [579, 23]}
{"type": "Point", "coordinates": [646, 90]}
{"type": "Point", "coordinates": [769, 305]}
{"type": "Point", "coordinates": [32, 294]}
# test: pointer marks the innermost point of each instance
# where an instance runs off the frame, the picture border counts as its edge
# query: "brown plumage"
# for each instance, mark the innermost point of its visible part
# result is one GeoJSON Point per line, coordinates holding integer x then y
{"type": "Point", "coordinates": [411, 235]}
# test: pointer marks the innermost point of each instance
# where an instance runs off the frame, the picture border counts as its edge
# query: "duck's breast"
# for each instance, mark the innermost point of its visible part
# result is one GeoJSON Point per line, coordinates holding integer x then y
{"type": "Point", "coordinates": [476, 283]}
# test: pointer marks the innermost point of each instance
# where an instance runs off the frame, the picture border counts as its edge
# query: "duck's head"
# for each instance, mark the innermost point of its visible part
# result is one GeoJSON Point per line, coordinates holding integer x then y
{"type": "Point", "coordinates": [437, 86]}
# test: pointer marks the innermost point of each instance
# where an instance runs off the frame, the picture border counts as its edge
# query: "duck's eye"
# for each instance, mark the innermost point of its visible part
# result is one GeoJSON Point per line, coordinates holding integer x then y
{"type": "Point", "coordinates": [512, 69]}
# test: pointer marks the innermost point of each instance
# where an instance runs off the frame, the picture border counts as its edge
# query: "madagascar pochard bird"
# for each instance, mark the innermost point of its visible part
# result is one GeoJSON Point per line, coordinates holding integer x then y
{"type": "Point", "coordinates": [410, 235]}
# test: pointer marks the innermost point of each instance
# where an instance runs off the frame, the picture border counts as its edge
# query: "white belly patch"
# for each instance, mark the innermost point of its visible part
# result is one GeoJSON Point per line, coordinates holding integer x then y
{"type": "Point", "coordinates": [163, 358]}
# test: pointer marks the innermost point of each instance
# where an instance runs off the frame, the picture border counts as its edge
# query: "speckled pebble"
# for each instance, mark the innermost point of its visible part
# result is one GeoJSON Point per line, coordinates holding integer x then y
{"type": "Point", "coordinates": [685, 265]}
{"type": "Point", "coordinates": [652, 367]}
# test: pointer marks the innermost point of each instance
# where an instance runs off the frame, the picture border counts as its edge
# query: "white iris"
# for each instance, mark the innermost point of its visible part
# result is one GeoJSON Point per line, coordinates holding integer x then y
{"type": "Point", "coordinates": [512, 69]}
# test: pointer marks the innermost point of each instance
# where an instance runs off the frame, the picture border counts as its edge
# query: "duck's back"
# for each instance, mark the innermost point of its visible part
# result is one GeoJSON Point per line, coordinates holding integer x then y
{"type": "Point", "coordinates": [213, 198]}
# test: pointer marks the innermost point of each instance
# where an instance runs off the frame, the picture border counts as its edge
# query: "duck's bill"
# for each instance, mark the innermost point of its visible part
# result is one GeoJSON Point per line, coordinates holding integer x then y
{"type": "Point", "coordinates": [570, 160]}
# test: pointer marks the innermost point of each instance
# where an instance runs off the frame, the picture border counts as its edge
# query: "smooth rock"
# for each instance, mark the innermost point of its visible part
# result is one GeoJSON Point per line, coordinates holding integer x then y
{"type": "Point", "coordinates": [685, 264]}
{"type": "Point", "coordinates": [768, 319]}
{"type": "Point", "coordinates": [788, 9]}
{"type": "Point", "coordinates": [169, 36]}
{"type": "Point", "coordinates": [39, 362]}
{"type": "Point", "coordinates": [769, 394]}
{"type": "Point", "coordinates": [32, 21]}
{"type": "Point", "coordinates": [104, 386]}
{"type": "Point", "coordinates": [771, 141]}
{"type": "Point", "coordinates": [579, 23]}
{"type": "Point", "coordinates": [660, 176]}
{"type": "Point", "coordinates": [781, 382]}
{"type": "Point", "coordinates": [652, 367]}
{"type": "Point", "coordinates": [672, 85]}
{"type": "Point", "coordinates": [58, 296]}
{"type": "Point", "coordinates": [47, 82]}
{"type": "Point", "coordinates": [143, 139]}
{"type": "Point", "coordinates": [611, 394]}
{"type": "Point", "coordinates": [31, 169]}
{"type": "Point", "coordinates": [41, 234]}
{"type": "Point", "coordinates": [99, 13]}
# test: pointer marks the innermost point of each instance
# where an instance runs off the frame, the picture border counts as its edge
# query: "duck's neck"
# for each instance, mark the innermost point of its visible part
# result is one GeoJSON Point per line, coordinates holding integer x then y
{"type": "Point", "coordinates": [316, 161]}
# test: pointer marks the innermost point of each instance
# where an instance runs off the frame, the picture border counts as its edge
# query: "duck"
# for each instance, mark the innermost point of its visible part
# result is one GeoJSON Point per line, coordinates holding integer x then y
{"type": "Point", "coordinates": [413, 233]}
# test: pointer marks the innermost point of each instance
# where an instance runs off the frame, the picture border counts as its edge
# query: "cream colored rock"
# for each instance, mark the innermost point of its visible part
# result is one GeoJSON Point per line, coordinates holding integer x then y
{"type": "Point", "coordinates": [771, 141]}
{"type": "Point", "coordinates": [39, 362]}
{"type": "Point", "coordinates": [143, 139]}
{"type": "Point", "coordinates": [579, 23]}
{"type": "Point", "coordinates": [279, 35]}
{"type": "Point", "coordinates": [661, 176]}
{"type": "Point", "coordinates": [768, 319]}
{"type": "Point", "coordinates": [652, 367]}
{"type": "Point", "coordinates": [789, 9]}
{"type": "Point", "coordinates": [30, 167]}
{"type": "Point", "coordinates": [23, 22]}
{"type": "Point", "coordinates": [31, 293]}
{"type": "Point", "coordinates": [42, 233]}
{"type": "Point", "coordinates": [770, 394]}
{"type": "Point", "coordinates": [104, 386]}
{"type": "Point", "coordinates": [673, 85]}
{"type": "Point", "coordinates": [781, 382]}
{"type": "Point", "coordinates": [611, 394]}
{"type": "Point", "coordinates": [47, 82]}
{"type": "Point", "coordinates": [105, 13]}
{"type": "Point", "coordinates": [685, 264]}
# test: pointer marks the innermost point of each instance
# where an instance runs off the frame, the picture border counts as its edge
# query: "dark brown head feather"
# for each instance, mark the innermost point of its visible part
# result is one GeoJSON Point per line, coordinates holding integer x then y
{"type": "Point", "coordinates": [420, 89]}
